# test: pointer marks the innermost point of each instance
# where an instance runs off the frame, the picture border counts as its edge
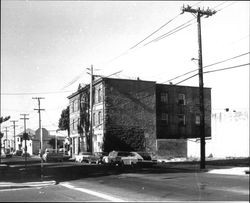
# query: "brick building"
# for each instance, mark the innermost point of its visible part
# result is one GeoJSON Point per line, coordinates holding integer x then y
{"type": "Point", "coordinates": [163, 115]}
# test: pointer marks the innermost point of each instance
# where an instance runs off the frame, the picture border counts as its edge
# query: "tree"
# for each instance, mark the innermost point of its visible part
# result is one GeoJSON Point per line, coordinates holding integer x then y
{"type": "Point", "coordinates": [64, 120]}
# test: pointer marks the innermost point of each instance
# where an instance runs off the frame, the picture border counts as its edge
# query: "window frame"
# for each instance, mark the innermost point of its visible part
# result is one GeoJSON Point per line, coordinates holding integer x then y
{"type": "Point", "coordinates": [181, 97]}
{"type": "Point", "coordinates": [181, 122]}
{"type": "Point", "coordinates": [164, 97]}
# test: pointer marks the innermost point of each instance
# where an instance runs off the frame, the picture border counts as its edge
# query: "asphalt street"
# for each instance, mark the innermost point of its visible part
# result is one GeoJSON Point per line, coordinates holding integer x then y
{"type": "Point", "coordinates": [146, 185]}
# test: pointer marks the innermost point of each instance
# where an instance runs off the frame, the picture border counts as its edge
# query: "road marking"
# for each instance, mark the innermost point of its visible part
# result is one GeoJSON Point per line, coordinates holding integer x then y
{"type": "Point", "coordinates": [91, 192]}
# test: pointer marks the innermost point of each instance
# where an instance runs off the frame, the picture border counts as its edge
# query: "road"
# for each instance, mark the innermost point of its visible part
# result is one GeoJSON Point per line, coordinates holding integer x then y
{"type": "Point", "coordinates": [143, 186]}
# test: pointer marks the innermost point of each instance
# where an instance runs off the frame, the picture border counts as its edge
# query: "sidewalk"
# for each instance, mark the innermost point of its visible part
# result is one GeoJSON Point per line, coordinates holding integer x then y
{"type": "Point", "coordinates": [11, 185]}
{"type": "Point", "coordinates": [231, 171]}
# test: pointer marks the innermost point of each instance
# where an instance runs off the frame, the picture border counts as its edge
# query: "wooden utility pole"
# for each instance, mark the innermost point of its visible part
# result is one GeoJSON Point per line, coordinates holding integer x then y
{"type": "Point", "coordinates": [2, 119]}
{"type": "Point", "coordinates": [199, 13]}
{"type": "Point", "coordinates": [40, 132]}
{"type": "Point", "coordinates": [6, 144]}
{"type": "Point", "coordinates": [25, 135]}
{"type": "Point", "coordinates": [91, 110]}
{"type": "Point", "coordinates": [14, 125]}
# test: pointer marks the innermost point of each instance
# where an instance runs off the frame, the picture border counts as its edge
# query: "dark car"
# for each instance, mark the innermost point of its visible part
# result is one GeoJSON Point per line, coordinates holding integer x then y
{"type": "Point", "coordinates": [18, 153]}
{"type": "Point", "coordinates": [25, 154]}
{"type": "Point", "coordinates": [147, 159]}
{"type": "Point", "coordinates": [52, 155]}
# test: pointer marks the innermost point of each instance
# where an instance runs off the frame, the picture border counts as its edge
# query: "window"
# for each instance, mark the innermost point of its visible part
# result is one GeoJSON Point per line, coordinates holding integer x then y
{"type": "Point", "coordinates": [99, 117]}
{"type": "Point", "coordinates": [93, 119]}
{"type": "Point", "coordinates": [72, 107]}
{"type": "Point", "coordinates": [197, 119]}
{"type": "Point", "coordinates": [181, 120]}
{"type": "Point", "coordinates": [181, 99]}
{"type": "Point", "coordinates": [164, 97]}
{"type": "Point", "coordinates": [164, 117]}
{"type": "Point", "coordinates": [76, 105]}
{"type": "Point", "coordinates": [99, 95]}
{"type": "Point", "coordinates": [73, 124]}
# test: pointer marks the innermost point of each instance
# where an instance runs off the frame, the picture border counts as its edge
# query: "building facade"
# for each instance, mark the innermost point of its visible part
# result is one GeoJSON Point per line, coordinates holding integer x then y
{"type": "Point", "coordinates": [161, 116]}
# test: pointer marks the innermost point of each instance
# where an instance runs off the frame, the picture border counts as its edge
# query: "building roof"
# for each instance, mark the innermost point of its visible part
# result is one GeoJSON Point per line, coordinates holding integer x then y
{"type": "Point", "coordinates": [30, 132]}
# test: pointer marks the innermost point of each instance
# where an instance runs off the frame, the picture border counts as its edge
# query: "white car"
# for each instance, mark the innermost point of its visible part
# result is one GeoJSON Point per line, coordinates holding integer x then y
{"type": "Point", "coordinates": [131, 159]}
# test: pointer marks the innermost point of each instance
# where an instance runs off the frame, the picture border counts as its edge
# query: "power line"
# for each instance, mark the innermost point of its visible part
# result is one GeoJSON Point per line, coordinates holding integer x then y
{"type": "Point", "coordinates": [176, 29]}
{"type": "Point", "coordinates": [216, 63]}
{"type": "Point", "coordinates": [31, 93]}
{"type": "Point", "coordinates": [221, 69]}
{"type": "Point", "coordinates": [152, 86]}
{"type": "Point", "coordinates": [227, 68]}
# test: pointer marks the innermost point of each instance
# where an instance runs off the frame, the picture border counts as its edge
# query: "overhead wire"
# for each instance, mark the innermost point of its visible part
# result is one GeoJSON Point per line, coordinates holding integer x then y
{"type": "Point", "coordinates": [176, 29]}
{"type": "Point", "coordinates": [32, 93]}
{"type": "Point", "coordinates": [216, 63]}
{"type": "Point", "coordinates": [221, 69]}
{"type": "Point", "coordinates": [124, 103]}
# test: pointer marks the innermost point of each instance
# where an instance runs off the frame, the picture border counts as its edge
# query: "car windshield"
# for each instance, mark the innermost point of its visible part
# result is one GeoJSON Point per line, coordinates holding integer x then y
{"type": "Point", "coordinates": [85, 153]}
{"type": "Point", "coordinates": [123, 153]}
{"type": "Point", "coordinates": [145, 155]}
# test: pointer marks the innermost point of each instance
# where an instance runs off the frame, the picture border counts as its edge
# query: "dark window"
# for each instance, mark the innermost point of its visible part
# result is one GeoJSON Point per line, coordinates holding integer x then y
{"type": "Point", "coordinates": [181, 99]}
{"type": "Point", "coordinates": [164, 117]}
{"type": "Point", "coordinates": [93, 119]}
{"type": "Point", "coordinates": [164, 97]}
{"type": "Point", "coordinates": [181, 120]}
{"type": "Point", "coordinates": [99, 117]}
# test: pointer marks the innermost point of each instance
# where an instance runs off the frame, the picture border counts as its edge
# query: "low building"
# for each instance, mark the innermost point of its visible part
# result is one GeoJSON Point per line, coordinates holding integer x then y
{"type": "Point", "coordinates": [33, 144]}
{"type": "Point", "coordinates": [137, 114]}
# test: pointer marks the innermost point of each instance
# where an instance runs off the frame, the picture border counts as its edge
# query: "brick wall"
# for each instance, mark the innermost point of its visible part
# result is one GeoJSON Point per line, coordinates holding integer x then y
{"type": "Point", "coordinates": [130, 104]}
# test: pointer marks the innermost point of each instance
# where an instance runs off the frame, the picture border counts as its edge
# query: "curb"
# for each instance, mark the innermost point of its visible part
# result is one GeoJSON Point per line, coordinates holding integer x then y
{"type": "Point", "coordinates": [11, 185]}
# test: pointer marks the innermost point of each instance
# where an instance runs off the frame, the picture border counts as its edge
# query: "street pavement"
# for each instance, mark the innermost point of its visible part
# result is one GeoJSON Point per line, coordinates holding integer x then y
{"type": "Point", "coordinates": [144, 185]}
{"type": "Point", "coordinates": [36, 181]}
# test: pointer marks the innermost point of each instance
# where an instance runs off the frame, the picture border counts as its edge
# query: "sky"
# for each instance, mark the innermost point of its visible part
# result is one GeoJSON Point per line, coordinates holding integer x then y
{"type": "Point", "coordinates": [47, 46]}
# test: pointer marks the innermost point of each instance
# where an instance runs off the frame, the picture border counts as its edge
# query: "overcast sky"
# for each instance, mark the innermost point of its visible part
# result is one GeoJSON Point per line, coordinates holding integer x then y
{"type": "Point", "coordinates": [45, 45]}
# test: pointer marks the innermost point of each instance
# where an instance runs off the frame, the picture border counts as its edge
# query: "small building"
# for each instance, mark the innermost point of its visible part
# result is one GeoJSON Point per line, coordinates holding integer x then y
{"type": "Point", "coordinates": [33, 144]}
{"type": "Point", "coordinates": [137, 114]}
{"type": "Point", "coordinates": [20, 142]}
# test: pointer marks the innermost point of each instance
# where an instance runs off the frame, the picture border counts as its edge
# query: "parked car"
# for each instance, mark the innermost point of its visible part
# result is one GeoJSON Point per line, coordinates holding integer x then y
{"type": "Point", "coordinates": [52, 155]}
{"type": "Point", "coordinates": [86, 157]}
{"type": "Point", "coordinates": [65, 153]}
{"type": "Point", "coordinates": [131, 159]}
{"type": "Point", "coordinates": [99, 156]}
{"type": "Point", "coordinates": [25, 154]}
{"type": "Point", "coordinates": [147, 159]}
{"type": "Point", "coordinates": [116, 157]}
{"type": "Point", "coordinates": [18, 153]}
{"type": "Point", "coordinates": [8, 153]}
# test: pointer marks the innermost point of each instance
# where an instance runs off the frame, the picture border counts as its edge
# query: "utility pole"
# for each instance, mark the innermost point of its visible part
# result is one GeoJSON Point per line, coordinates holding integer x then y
{"type": "Point", "coordinates": [91, 109]}
{"type": "Point", "coordinates": [2, 119]}
{"type": "Point", "coordinates": [14, 125]}
{"type": "Point", "coordinates": [40, 132]}
{"type": "Point", "coordinates": [199, 13]}
{"type": "Point", "coordinates": [6, 144]}
{"type": "Point", "coordinates": [25, 136]}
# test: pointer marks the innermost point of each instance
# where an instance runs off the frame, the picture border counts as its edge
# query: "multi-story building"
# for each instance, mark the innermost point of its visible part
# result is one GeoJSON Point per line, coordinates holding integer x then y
{"type": "Point", "coordinates": [159, 117]}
